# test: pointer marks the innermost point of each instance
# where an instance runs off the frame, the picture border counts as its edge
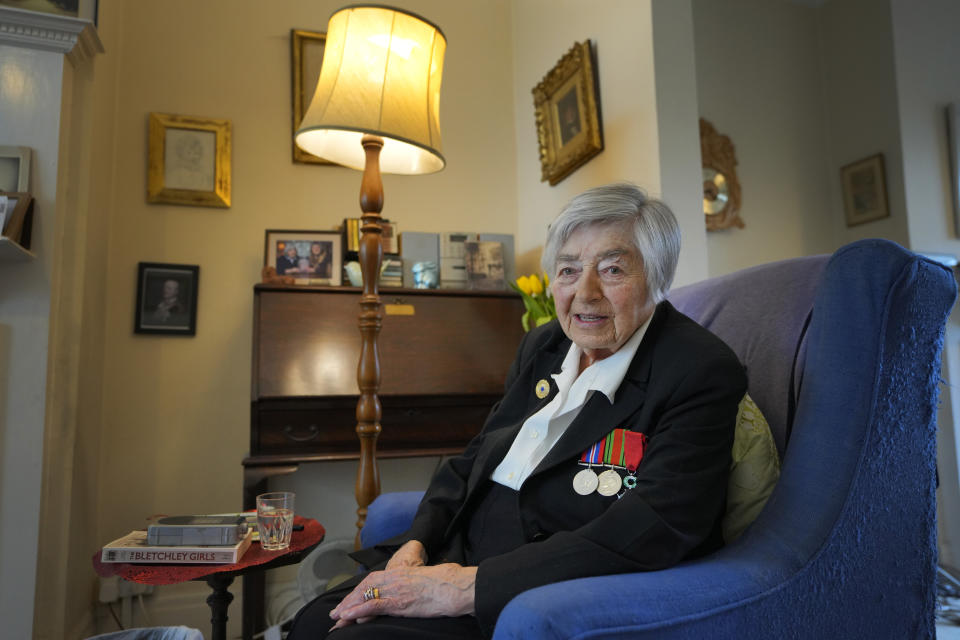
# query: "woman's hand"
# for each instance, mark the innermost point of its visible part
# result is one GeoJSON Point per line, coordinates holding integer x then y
{"type": "Point", "coordinates": [411, 592]}
{"type": "Point", "coordinates": [411, 554]}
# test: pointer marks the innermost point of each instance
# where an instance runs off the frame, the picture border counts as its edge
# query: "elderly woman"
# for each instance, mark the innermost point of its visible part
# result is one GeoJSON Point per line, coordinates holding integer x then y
{"type": "Point", "coordinates": [608, 453]}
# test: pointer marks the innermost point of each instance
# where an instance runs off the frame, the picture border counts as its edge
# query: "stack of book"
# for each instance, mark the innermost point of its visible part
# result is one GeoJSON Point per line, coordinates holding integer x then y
{"type": "Point", "coordinates": [391, 273]}
{"type": "Point", "coordinates": [183, 540]}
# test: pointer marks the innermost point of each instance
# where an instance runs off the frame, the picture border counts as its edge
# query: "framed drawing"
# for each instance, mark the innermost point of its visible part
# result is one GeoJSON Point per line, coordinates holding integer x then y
{"type": "Point", "coordinates": [864, 190]}
{"type": "Point", "coordinates": [189, 161]}
{"type": "Point", "coordinates": [14, 169]}
{"type": "Point", "coordinates": [306, 58]}
{"type": "Point", "coordinates": [167, 299]}
{"type": "Point", "coordinates": [310, 257]}
{"type": "Point", "coordinates": [567, 112]}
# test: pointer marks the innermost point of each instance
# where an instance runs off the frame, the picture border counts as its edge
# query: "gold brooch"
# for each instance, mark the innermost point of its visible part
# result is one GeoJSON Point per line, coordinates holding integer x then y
{"type": "Point", "coordinates": [542, 389]}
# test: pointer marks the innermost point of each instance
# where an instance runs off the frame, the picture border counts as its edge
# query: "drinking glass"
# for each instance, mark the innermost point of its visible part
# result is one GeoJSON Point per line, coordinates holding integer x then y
{"type": "Point", "coordinates": [275, 519]}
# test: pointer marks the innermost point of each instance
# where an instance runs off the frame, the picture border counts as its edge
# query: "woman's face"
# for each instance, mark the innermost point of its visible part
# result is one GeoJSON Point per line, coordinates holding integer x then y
{"type": "Point", "coordinates": [600, 289]}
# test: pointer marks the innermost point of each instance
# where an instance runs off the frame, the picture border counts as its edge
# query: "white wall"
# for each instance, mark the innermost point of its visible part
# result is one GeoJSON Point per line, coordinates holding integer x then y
{"type": "Point", "coordinates": [927, 54]}
{"type": "Point", "coordinates": [759, 82]}
{"type": "Point", "coordinates": [860, 97]}
{"type": "Point", "coordinates": [678, 131]}
{"type": "Point", "coordinates": [624, 32]}
{"type": "Point", "coordinates": [30, 98]}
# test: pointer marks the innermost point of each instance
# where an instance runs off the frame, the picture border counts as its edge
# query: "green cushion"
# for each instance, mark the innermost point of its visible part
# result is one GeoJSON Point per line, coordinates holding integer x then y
{"type": "Point", "coordinates": [754, 471]}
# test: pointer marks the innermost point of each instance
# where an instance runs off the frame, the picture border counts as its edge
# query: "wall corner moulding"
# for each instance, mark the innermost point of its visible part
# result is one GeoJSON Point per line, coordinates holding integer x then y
{"type": "Point", "coordinates": [74, 37]}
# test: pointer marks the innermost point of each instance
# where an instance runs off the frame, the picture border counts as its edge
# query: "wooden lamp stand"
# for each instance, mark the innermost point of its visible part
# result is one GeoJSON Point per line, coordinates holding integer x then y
{"type": "Point", "coordinates": [369, 410]}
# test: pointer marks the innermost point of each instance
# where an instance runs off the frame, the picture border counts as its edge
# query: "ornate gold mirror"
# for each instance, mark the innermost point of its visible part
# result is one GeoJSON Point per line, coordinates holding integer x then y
{"type": "Point", "coordinates": [721, 188]}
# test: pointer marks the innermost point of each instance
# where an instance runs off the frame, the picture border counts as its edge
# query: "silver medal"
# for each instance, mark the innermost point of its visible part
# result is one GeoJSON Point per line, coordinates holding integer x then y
{"type": "Point", "coordinates": [585, 482]}
{"type": "Point", "coordinates": [609, 483]}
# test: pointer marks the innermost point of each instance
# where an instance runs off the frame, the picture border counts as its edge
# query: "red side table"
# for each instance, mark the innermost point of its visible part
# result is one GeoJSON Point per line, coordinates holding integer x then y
{"type": "Point", "coordinates": [219, 576]}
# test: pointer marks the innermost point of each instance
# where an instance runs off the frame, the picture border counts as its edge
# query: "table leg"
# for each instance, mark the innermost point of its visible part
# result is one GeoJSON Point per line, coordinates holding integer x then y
{"type": "Point", "coordinates": [254, 618]}
{"type": "Point", "coordinates": [219, 600]}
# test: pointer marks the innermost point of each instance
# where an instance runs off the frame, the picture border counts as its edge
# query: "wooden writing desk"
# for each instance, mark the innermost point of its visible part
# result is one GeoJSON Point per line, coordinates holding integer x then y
{"type": "Point", "coordinates": [444, 359]}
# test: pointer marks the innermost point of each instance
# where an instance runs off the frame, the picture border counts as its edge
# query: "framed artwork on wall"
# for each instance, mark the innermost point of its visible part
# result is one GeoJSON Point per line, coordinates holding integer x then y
{"type": "Point", "coordinates": [567, 112]}
{"type": "Point", "coordinates": [306, 58]}
{"type": "Point", "coordinates": [167, 298]}
{"type": "Point", "coordinates": [189, 161]}
{"type": "Point", "coordinates": [309, 257]}
{"type": "Point", "coordinates": [864, 190]}
{"type": "Point", "coordinates": [14, 169]}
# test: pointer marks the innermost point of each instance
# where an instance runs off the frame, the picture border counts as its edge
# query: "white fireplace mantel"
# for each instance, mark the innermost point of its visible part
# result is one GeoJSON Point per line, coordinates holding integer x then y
{"type": "Point", "coordinates": [74, 37]}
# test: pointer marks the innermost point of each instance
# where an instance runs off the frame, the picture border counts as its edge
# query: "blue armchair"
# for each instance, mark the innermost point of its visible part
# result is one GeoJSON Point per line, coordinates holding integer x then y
{"type": "Point", "coordinates": [843, 357]}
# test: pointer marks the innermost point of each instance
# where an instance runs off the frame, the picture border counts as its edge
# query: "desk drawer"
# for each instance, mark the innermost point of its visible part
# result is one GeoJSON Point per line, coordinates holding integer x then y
{"type": "Point", "coordinates": [328, 425]}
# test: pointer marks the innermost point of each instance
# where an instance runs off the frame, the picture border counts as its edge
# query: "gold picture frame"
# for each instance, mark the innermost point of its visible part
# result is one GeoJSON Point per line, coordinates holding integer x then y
{"type": "Point", "coordinates": [567, 112]}
{"type": "Point", "coordinates": [306, 58]}
{"type": "Point", "coordinates": [189, 160]}
{"type": "Point", "coordinates": [865, 190]}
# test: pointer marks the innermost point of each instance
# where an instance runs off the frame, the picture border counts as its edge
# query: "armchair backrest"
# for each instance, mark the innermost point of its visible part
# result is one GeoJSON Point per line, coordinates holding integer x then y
{"type": "Point", "coordinates": [762, 314]}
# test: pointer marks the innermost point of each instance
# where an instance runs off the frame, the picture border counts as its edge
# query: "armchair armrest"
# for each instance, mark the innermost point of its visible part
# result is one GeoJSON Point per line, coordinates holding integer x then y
{"type": "Point", "coordinates": [736, 593]}
{"type": "Point", "coordinates": [389, 515]}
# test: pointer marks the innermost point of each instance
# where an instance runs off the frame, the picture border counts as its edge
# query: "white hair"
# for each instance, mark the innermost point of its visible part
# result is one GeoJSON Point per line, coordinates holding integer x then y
{"type": "Point", "coordinates": [656, 234]}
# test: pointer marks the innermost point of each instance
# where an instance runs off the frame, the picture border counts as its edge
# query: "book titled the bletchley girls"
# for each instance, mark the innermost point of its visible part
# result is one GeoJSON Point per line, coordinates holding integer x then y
{"type": "Point", "coordinates": [133, 547]}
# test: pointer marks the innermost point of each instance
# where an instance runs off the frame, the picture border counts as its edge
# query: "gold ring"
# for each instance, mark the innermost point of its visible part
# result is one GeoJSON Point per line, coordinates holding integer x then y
{"type": "Point", "coordinates": [372, 593]}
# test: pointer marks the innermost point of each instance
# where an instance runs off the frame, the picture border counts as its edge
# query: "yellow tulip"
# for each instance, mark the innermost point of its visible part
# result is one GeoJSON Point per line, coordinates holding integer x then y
{"type": "Point", "coordinates": [546, 280]}
{"type": "Point", "coordinates": [524, 283]}
{"type": "Point", "coordinates": [535, 285]}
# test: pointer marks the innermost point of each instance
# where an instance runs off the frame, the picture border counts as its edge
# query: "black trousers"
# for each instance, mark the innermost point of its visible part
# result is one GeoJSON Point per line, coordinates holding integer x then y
{"type": "Point", "coordinates": [493, 528]}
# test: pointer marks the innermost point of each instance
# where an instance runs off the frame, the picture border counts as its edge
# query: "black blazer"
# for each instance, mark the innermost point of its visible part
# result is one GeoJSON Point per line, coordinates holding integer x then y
{"type": "Point", "coordinates": [681, 390]}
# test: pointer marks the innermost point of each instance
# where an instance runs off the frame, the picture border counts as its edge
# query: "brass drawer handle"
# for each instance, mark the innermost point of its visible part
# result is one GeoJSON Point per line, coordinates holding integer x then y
{"type": "Point", "coordinates": [313, 430]}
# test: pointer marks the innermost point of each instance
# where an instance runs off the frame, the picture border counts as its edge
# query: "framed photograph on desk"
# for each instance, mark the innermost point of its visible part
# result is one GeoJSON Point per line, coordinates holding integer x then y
{"type": "Point", "coordinates": [310, 257]}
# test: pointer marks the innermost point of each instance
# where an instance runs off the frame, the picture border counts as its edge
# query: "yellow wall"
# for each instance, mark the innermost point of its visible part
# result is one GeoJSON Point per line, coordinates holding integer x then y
{"type": "Point", "coordinates": [176, 410]}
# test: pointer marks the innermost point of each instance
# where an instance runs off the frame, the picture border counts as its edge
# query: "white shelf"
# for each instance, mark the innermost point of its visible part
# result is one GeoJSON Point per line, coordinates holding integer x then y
{"type": "Point", "coordinates": [74, 37]}
{"type": "Point", "coordinates": [10, 251]}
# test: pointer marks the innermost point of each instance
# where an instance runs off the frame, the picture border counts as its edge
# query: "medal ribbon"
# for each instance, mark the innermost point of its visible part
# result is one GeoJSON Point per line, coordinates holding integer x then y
{"type": "Point", "coordinates": [592, 455]}
{"type": "Point", "coordinates": [635, 444]}
{"type": "Point", "coordinates": [619, 448]}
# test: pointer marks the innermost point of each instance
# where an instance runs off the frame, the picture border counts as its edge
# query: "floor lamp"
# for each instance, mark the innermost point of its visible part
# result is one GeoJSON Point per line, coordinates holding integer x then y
{"type": "Point", "coordinates": [376, 108]}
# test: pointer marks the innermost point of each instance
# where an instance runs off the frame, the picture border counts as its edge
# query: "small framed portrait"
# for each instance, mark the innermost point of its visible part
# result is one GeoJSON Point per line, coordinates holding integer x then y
{"type": "Point", "coordinates": [167, 298]}
{"type": "Point", "coordinates": [14, 169]}
{"type": "Point", "coordinates": [865, 190]}
{"type": "Point", "coordinates": [306, 58]}
{"type": "Point", "coordinates": [567, 111]}
{"type": "Point", "coordinates": [310, 257]}
{"type": "Point", "coordinates": [189, 161]}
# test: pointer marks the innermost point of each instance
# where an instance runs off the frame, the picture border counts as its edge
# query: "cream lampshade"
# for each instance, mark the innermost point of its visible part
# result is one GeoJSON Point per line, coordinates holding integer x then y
{"type": "Point", "coordinates": [376, 108]}
{"type": "Point", "coordinates": [381, 75]}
